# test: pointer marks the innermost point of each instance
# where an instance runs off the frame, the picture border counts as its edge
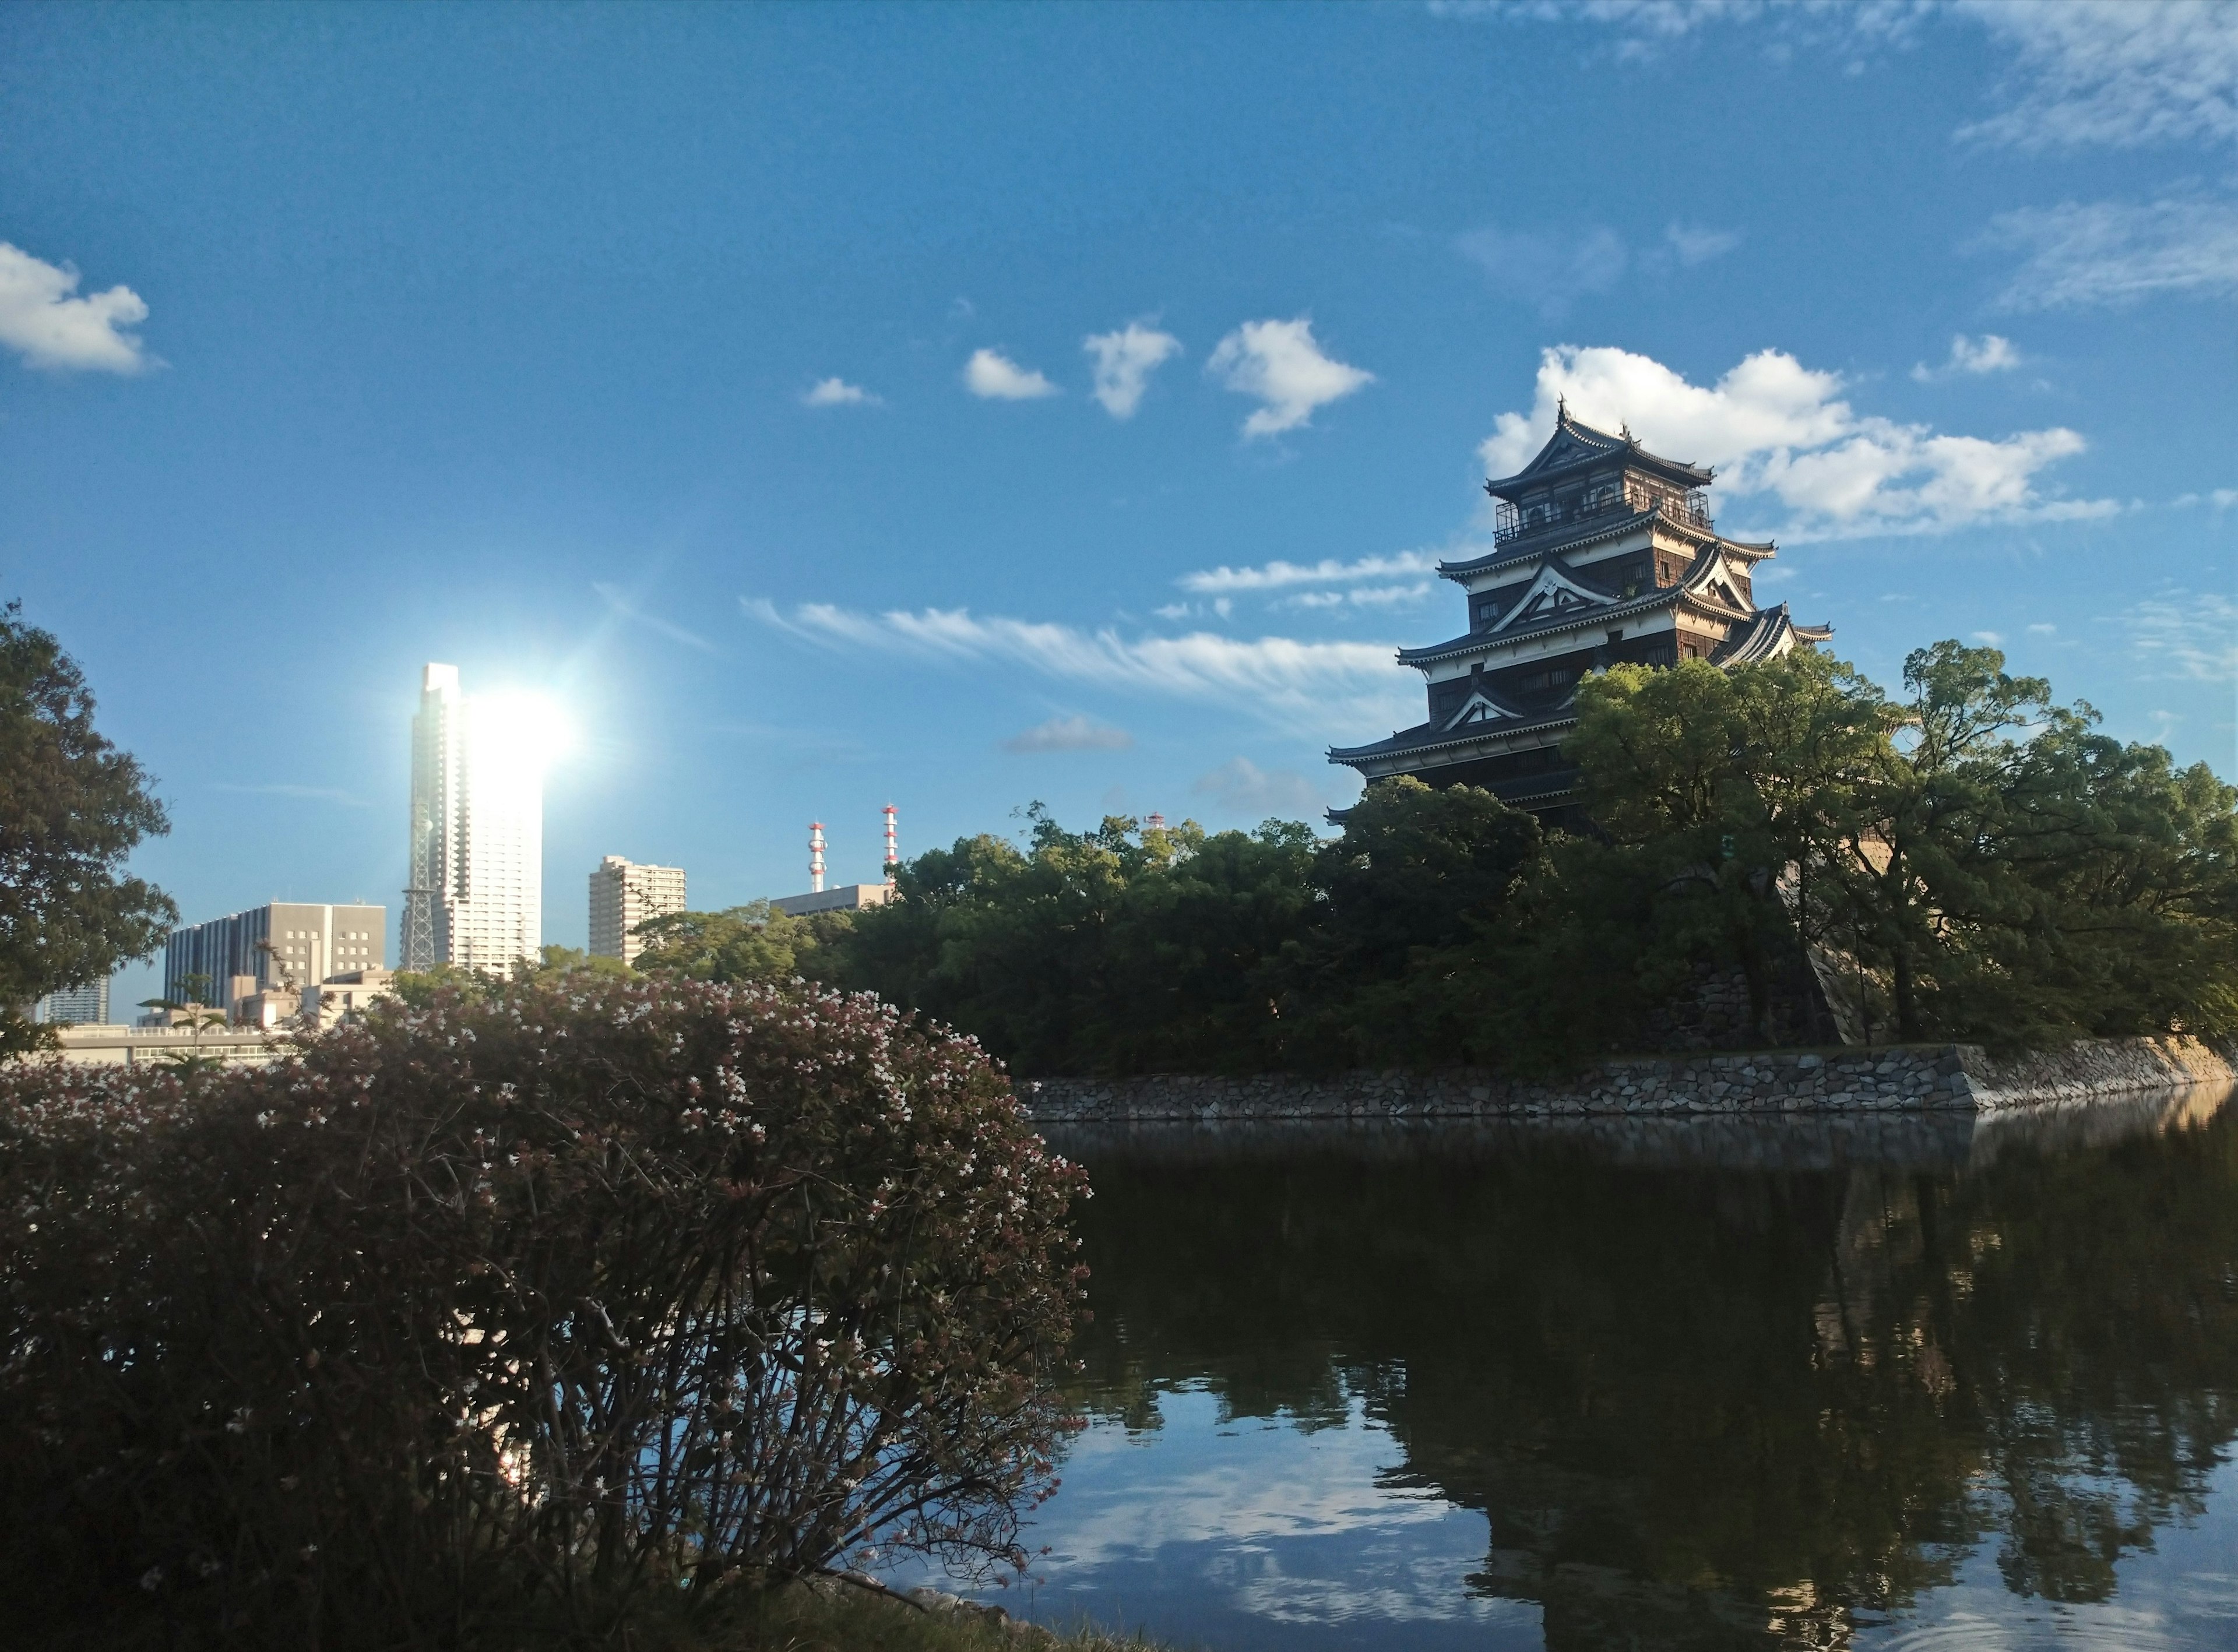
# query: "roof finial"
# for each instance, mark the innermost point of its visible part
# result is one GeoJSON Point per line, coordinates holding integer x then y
{"type": "Point", "coordinates": [1562, 409]}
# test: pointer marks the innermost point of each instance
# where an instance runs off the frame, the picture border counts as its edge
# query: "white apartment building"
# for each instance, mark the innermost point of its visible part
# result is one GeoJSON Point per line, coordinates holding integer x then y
{"type": "Point", "coordinates": [624, 895]}
{"type": "Point", "coordinates": [476, 894]}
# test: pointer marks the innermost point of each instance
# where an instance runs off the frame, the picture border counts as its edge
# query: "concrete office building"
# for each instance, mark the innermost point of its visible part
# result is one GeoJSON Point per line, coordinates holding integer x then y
{"type": "Point", "coordinates": [624, 895]}
{"type": "Point", "coordinates": [476, 894]}
{"type": "Point", "coordinates": [847, 897]}
{"type": "Point", "coordinates": [86, 1005]}
{"type": "Point", "coordinates": [283, 944]}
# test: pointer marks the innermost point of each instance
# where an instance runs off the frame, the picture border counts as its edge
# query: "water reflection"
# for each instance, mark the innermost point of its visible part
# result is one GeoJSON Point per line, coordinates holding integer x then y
{"type": "Point", "coordinates": [1687, 1385]}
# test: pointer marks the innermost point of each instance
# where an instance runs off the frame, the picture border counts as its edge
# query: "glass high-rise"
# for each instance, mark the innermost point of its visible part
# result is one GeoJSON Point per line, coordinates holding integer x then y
{"type": "Point", "coordinates": [476, 891]}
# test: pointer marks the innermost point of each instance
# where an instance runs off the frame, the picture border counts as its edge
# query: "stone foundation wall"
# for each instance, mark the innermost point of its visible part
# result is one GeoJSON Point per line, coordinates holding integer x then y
{"type": "Point", "coordinates": [1908, 1079]}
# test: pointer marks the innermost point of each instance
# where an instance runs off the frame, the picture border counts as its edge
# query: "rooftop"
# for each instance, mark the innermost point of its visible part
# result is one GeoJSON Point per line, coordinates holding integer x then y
{"type": "Point", "coordinates": [1576, 447]}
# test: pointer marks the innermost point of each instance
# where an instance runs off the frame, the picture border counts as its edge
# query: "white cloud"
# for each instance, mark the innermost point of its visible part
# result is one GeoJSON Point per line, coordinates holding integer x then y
{"type": "Point", "coordinates": [995, 377]}
{"type": "Point", "coordinates": [1778, 428]}
{"type": "Point", "coordinates": [2117, 73]}
{"type": "Point", "coordinates": [1308, 687]}
{"type": "Point", "coordinates": [1548, 269]}
{"type": "Point", "coordinates": [2187, 634]}
{"type": "Point", "coordinates": [2083, 72]}
{"type": "Point", "coordinates": [1989, 354]}
{"type": "Point", "coordinates": [2110, 252]}
{"type": "Point", "coordinates": [284, 789]}
{"type": "Point", "coordinates": [1279, 363]}
{"type": "Point", "coordinates": [1696, 245]}
{"type": "Point", "coordinates": [1124, 361]}
{"type": "Point", "coordinates": [40, 318]}
{"type": "Point", "coordinates": [616, 600]}
{"type": "Point", "coordinates": [1069, 734]}
{"type": "Point", "coordinates": [1993, 638]}
{"type": "Point", "coordinates": [2044, 628]}
{"type": "Point", "coordinates": [1328, 572]}
{"type": "Point", "coordinates": [1387, 596]}
{"type": "Point", "coordinates": [2224, 497]}
{"type": "Point", "coordinates": [837, 392]}
{"type": "Point", "coordinates": [1242, 787]}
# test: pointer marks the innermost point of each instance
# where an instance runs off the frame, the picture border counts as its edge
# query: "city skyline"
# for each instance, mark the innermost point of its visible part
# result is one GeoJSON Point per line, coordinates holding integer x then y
{"type": "Point", "coordinates": [1064, 405]}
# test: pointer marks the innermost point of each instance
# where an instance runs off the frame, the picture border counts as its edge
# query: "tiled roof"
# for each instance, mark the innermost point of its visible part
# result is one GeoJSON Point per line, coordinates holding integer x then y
{"type": "Point", "coordinates": [1576, 445]}
{"type": "Point", "coordinates": [1428, 737]}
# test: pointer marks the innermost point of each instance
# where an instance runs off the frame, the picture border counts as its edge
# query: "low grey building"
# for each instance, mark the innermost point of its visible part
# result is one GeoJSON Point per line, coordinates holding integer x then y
{"type": "Point", "coordinates": [847, 897]}
{"type": "Point", "coordinates": [282, 943]}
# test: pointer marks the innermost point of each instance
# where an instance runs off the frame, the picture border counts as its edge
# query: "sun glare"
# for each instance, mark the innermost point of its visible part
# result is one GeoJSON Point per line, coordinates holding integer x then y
{"type": "Point", "coordinates": [528, 729]}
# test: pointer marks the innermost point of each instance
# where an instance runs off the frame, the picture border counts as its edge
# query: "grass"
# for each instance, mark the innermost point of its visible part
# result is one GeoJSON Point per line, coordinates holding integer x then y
{"type": "Point", "coordinates": [841, 1618]}
{"type": "Point", "coordinates": [823, 1616]}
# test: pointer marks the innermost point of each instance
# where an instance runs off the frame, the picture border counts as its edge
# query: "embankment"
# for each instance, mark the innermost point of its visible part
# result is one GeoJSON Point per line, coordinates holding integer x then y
{"type": "Point", "coordinates": [1910, 1078]}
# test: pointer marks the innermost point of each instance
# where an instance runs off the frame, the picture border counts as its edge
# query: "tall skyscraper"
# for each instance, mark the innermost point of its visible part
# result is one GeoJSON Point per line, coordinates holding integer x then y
{"type": "Point", "coordinates": [623, 895]}
{"type": "Point", "coordinates": [476, 891]}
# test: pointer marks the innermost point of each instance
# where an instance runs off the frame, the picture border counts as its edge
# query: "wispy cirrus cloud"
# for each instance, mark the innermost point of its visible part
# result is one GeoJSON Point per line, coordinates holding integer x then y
{"type": "Point", "coordinates": [992, 376]}
{"type": "Point", "coordinates": [1693, 244]}
{"type": "Point", "coordinates": [2112, 73]}
{"type": "Point", "coordinates": [2080, 253]}
{"type": "Point", "coordinates": [1299, 686]}
{"type": "Point", "coordinates": [1546, 268]}
{"type": "Point", "coordinates": [2191, 635]}
{"type": "Point", "coordinates": [1282, 365]}
{"type": "Point", "coordinates": [286, 789]}
{"type": "Point", "coordinates": [1242, 787]}
{"type": "Point", "coordinates": [1779, 430]}
{"type": "Point", "coordinates": [1074, 733]}
{"type": "Point", "coordinates": [1278, 575]}
{"type": "Point", "coordinates": [44, 321]}
{"type": "Point", "coordinates": [1124, 360]}
{"type": "Point", "coordinates": [2081, 73]}
{"type": "Point", "coordinates": [620, 602]}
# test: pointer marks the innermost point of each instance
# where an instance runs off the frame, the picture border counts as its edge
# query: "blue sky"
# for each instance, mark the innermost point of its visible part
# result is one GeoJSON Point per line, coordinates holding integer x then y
{"type": "Point", "coordinates": [957, 406]}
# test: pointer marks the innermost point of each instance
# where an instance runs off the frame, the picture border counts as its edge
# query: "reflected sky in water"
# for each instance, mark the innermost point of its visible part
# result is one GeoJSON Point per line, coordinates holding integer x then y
{"type": "Point", "coordinates": [1701, 1384]}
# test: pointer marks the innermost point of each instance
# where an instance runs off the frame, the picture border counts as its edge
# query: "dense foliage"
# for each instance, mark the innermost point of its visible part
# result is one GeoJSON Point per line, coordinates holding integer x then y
{"type": "Point", "coordinates": [556, 1299]}
{"type": "Point", "coordinates": [1989, 863]}
{"type": "Point", "coordinates": [1971, 860]}
{"type": "Point", "coordinates": [72, 807]}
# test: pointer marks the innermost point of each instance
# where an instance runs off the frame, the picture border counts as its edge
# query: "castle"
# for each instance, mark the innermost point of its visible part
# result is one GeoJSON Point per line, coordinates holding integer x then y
{"type": "Point", "coordinates": [1603, 554]}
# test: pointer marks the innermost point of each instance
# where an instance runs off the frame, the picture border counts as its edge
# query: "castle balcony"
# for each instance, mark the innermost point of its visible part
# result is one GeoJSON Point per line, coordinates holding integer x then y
{"type": "Point", "coordinates": [1512, 521]}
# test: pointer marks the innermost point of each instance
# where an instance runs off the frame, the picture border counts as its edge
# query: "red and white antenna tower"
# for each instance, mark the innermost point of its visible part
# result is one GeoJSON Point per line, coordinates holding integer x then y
{"type": "Point", "coordinates": [893, 854]}
{"type": "Point", "coordinates": [816, 857]}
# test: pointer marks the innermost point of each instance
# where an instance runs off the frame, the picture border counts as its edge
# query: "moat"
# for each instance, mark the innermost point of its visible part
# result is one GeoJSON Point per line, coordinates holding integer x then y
{"type": "Point", "coordinates": [1904, 1383]}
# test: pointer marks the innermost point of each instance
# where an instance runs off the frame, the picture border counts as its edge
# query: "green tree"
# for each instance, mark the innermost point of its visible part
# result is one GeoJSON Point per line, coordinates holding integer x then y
{"type": "Point", "coordinates": [751, 942]}
{"type": "Point", "coordinates": [72, 808]}
{"type": "Point", "coordinates": [1719, 797]}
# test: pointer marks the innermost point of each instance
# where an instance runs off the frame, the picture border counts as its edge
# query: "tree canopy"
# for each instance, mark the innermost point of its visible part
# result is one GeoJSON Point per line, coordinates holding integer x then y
{"type": "Point", "coordinates": [1966, 859]}
{"type": "Point", "coordinates": [72, 808]}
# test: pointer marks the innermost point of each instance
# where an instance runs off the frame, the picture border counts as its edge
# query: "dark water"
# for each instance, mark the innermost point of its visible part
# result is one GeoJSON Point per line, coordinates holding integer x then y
{"type": "Point", "coordinates": [1687, 1385]}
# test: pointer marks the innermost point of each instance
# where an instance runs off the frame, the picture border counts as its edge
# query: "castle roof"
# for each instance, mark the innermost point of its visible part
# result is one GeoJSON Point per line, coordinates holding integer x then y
{"type": "Point", "coordinates": [1434, 737]}
{"type": "Point", "coordinates": [1576, 447]}
{"type": "Point", "coordinates": [1704, 587]}
{"type": "Point", "coordinates": [1771, 634]}
{"type": "Point", "coordinates": [1615, 527]}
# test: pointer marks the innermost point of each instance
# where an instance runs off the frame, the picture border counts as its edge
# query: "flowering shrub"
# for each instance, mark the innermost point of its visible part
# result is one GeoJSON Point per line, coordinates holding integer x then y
{"type": "Point", "coordinates": [540, 1302]}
